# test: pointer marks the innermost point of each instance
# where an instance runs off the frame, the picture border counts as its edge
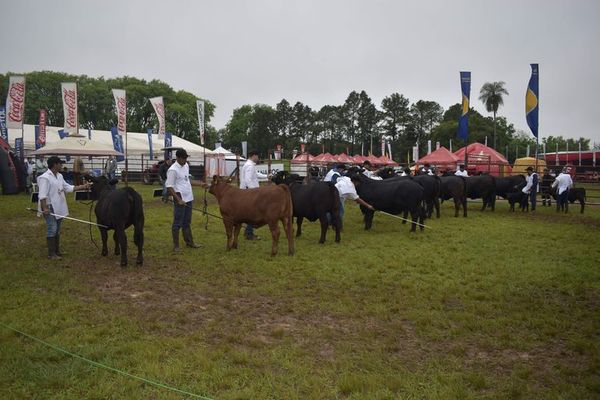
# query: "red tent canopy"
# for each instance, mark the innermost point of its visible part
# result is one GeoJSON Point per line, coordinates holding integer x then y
{"type": "Point", "coordinates": [373, 160]}
{"type": "Point", "coordinates": [344, 158]}
{"type": "Point", "coordinates": [324, 158]}
{"type": "Point", "coordinates": [302, 158]}
{"type": "Point", "coordinates": [384, 160]}
{"type": "Point", "coordinates": [480, 153]}
{"type": "Point", "coordinates": [358, 159]}
{"type": "Point", "coordinates": [441, 156]}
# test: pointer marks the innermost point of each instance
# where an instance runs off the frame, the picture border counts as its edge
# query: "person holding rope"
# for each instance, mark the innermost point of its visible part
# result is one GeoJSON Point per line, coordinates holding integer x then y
{"type": "Point", "coordinates": [346, 187]}
{"type": "Point", "coordinates": [52, 200]}
{"type": "Point", "coordinates": [179, 186]}
{"type": "Point", "coordinates": [249, 180]}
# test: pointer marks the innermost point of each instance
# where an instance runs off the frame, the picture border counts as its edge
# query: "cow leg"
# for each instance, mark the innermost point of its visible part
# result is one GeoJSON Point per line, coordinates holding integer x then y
{"type": "Point", "coordinates": [138, 239]}
{"type": "Point", "coordinates": [368, 219]}
{"type": "Point", "coordinates": [464, 204]}
{"type": "Point", "coordinates": [123, 245]}
{"type": "Point", "coordinates": [582, 202]}
{"type": "Point", "coordinates": [405, 216]}
{"type": "Point", "coordinates": [299, 229]}
{"type": "Point", "coordinates": [229, 233]}
{"type": "Point", "coordinates": [324, 226]}
{"type": "Point", "coordinates": [275, 232]}
{"type": "Point", "coordinates": [116, 239]}
{"type": "Point", "coordinates": [436, 204]}
{"type": "Point", "coordinates": [456, 207]}
{"type": "Point", "coordinates": [493, 202]}
{"type": "Point", "coordinates": [104, 235]}
{"type": "Point", "coordinates": [236, 233]}
{"type": "Point", "coordinates": [414, 216]}
{"type": "Point", "coordinates": [289, 231]}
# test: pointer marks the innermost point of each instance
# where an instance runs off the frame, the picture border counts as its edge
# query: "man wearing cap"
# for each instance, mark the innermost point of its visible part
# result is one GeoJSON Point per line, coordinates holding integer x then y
{"type": "Point", "coordinates": [531, 188]}
{"type": "Point", "coordinates": [334, 173]}
{"type": "Point", "coordinates": [179, 186]}
{"type": "Point", "coordinates": [52, 200]}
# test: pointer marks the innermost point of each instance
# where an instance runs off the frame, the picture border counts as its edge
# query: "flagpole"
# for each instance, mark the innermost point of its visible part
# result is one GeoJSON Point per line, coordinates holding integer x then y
{"type": "Point", "coordinates": [127, 161]}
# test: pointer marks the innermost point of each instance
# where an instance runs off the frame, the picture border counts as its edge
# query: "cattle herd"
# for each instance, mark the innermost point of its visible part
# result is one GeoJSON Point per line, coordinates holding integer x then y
{"type": "Point", "coordinates": [415, 196]}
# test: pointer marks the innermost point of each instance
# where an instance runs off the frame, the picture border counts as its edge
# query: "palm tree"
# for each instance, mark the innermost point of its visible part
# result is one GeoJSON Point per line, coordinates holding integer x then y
{"type": "Point", "coordinates": [491, 95]}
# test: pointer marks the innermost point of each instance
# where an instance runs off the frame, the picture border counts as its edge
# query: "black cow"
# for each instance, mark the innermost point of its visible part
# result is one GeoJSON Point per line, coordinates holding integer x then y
{"type": "Point", "coordinates": [431, 188]}
{"type": "Point", "coordinates": [509, 184]}
{"type": "Point", "coordinates": [393, 196]}
{"type": "Point", "coordinates": [575, 194]}
{"type": "Point", "coordinates": [483, 187]}
{"type": "Point", "coordinates": [518, 197]}
{"type": "Point", "coordinates": [118, 209]}
{"type": "Point", "coordinates": [455, 187]}
{"type": "Point", "coordinates": [313, 201]}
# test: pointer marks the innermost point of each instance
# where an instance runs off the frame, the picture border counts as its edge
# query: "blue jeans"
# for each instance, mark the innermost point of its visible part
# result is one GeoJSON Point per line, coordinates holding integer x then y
{"type": "Point", "coordinates": [182, 216]}
{"type": "Point", "coordinates": [562, 199]}
{"type": "Point", "coordinates": [532, 199]}
{"type": "Point", "coordinates": [249, 231]}
{"type": "Point", "coordinates": [341, 214]}
{"type": "Point", "coordinates": [52, 224]}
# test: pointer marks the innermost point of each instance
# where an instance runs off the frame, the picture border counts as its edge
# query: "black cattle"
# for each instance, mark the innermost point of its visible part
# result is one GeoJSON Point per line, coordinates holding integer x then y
{"type": "Point", "coordinates": [482, 187]}
{"type": "Point", "coordinates": [455, 187]}
{"type": "Point", "coordinates": [118, 209]}
{"type": "Point", "coordinates": [431, 188]}
{"type": "Point", "coordinates": [313, 201]}
{"type": "Point", "coordinates": [393, 196]}
{"type": "Point", "coordinates": [575, 194]}
{"type": "Point", "coordinates": [509, 184]}
{"type": "Point", "coordinates": [518, 197]}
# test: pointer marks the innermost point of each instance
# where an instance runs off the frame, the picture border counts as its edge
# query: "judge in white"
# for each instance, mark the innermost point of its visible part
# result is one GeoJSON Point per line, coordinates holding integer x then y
{"type": "Point", "coordinates": [52, 203]}
{"type": "Point", "coordinates": [346, 187]}
{"type": "Point", "coordinates": [249, 180]}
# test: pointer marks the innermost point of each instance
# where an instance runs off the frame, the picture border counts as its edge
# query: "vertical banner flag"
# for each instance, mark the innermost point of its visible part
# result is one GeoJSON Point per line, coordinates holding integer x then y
{"type": "Point", "coordinates": [429, 147]}
{"type": "Point", "coordinates": [15, 102]}
{"type": "Point", "coordinates": [3, 128]}
{"type": "Point", "coordinates": [69, 98]}
{"type": "Point", "coordinates": [389, 146]}
{"type": "Point", "coordinates": [121, 108]}
{"type": "Point", "coordinates": [159, 109]}
{"type": "Point", "coordinates": [19, 147]}
{"type": "Point", "coordinates": [40, 140]}
{"type": "Point", "coordinates": [36, 136]}
{"type": "Point", "coordinates": [200, 107]}
{"type": "Point", "coordinates": [117, 142]}
{"type": "Point", "coordinates": [89, 133]}
{"type": "Point", "coordinates": [168, 143]}
{"type": "Point", "coordinates": [463, 122]}
{"type": "Point", "coordinates": [301, 148]}
{"type": "Point", "coordinates": [151, 150]}
{"type": "Point", "coordinates": [245, 149]}
{"type": "Point", "coordinates": [532, 100]}
{"type": "Point", "coordinates": [383, 146]}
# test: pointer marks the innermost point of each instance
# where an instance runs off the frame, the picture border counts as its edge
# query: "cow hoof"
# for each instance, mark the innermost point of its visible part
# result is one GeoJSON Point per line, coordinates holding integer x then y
{"type": "Point", "coordinates": [104, 253]}
{"type": "Point", "coordinates": [321, 242]}
{"type": "Point", "coordinates": [139, 262]}
{"type": "Point", "coordinates": [123, 264]}
{"type": "Point", "coordinates": [117, 253]}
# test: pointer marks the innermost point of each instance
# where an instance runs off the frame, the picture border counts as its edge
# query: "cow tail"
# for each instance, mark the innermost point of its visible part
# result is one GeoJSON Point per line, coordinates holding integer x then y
{"type": "Point", "coordinates": [290, 211]}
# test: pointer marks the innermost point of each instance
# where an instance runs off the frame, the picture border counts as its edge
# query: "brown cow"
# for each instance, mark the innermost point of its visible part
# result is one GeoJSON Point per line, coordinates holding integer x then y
{"type": "Point", "coordinates": [261, 206]}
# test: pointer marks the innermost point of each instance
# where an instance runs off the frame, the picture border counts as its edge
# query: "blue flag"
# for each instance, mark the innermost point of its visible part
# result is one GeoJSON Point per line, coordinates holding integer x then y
{"type": "Point", "coordinates": [150, 143]}
{"type": "Point", "coordinates": [168, 143]}
{"type": "Point", "coordinates": [463, 122]}
{"type": "Point", "coordinates": [3, 128]}
{"type": "Point", "coordinates": [37, 137]}
{"type": "Point", "coordinates": [19, 147]}
{"type": "Point", "coordinates": [89, 133]}
{"type": "Point", "coordinates": [532, 100]}
{"type": "Point", "coordinates": [117, 143]}
{"type": "Point", "coordinates": [62, 134]}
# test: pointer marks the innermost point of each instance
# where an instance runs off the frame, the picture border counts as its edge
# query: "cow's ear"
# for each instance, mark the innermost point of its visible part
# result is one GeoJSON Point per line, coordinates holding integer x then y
{"type": "Point", "coordinates": [215, 178]}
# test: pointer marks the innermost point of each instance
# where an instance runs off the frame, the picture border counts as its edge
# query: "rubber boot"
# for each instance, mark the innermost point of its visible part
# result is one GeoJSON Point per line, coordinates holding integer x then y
{"type": "Point", "coordinates": [57, 245]}
{"type": "Point", "coordinates": [189, 239]}
{"type": "Point", "coordinates": [51, 241]}
{"type": "Point", "coordinates": [175, 241]}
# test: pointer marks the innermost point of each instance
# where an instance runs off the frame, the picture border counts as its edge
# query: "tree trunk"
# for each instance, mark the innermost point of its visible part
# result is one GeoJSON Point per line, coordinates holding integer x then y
{"type": "Point", "coordinates": [494, 130]}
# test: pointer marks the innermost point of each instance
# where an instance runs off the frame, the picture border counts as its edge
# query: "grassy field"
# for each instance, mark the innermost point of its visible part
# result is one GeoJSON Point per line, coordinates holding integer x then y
{"type": "Point", "coordinates": [499, 305]}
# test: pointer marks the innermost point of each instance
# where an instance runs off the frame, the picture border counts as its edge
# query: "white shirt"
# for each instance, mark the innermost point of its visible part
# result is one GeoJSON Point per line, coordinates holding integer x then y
{"type": "Point", "coordinates": [249, 175]}
{"type": "Point", "coordinates": [52, 188]}
{"type": "Point", "coordinates": [529, 179]}
{"type": "Point", "coordinates": [330, 174]}
{"type": "Point", "coordinates": [461, 173]}
{"type": "Point", "coordinates": [372, 175]}
{"type": "Point", "coordinates": [563, 181]}
{"type": "Point", "coordinates": [178, 178]}
{"type": "Point", "coordinates": [346, 189]}
{"type": "Point", "coordinates": [427, 171]}
{"type": "Point", "coordinates": [30, 167]}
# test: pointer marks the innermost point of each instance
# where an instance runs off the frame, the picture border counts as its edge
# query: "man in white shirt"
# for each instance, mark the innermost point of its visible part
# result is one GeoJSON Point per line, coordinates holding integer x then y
{"type": "Point", "coordinates": [369, 171]}
{"type": "Point", "coordinates": [334, 173]}
{"type": "Point", "coordinates": [179, 186]}
{"type": "Point", "coordinates": [531, 188]}
{"type": "Point", "coordinates": [562, 183]}
{"type": "Point", "coordinates": [52, 200]}
{"type": "Point", "coordinates": [249, 180]}
{"type": "Point", "coordinates": [426, 170]}
{"type": "Point", "coordinates": [461, 171]}
{"type": "Point", "coordinates": [346, 187]}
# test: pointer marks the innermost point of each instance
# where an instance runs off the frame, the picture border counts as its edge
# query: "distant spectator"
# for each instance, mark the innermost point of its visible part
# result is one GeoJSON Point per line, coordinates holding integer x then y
{"type": "Point", "coordinates": [370, 171]}
{"type": "Point", "coordinates": [545, 187]}
{"type": "Point", "coordinates": [78, 170]}
{"type": "Point", "coordinates": [110, 169]}
{"type": "Point", "coordinates": [461, 171]}
{"type": "Point", "coordinates": [334, 173]}
{"type": "Point", "coordinates": [531, 188]}
{"type": "Point", "coordinates": [426, 170]}
{"type": "Point", "coordinates": [562, 184]}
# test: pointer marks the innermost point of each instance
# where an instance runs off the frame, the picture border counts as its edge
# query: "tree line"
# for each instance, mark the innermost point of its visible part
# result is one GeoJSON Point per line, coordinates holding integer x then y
{"type": "Point", "coordinates": [96, 106]}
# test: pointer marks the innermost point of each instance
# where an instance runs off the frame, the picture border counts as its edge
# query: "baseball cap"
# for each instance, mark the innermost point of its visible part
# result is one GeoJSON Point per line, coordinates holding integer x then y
{"type": "Point", "coordinates": [54, 160]}
{"type": "Point", "coordinates": [181, 153]}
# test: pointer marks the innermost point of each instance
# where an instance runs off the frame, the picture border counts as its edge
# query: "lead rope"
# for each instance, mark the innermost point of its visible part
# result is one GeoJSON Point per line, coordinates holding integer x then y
{"type": "Point", "coordinates": [205, 209]}
{"type": "Point", "coordinates": [90, 219]}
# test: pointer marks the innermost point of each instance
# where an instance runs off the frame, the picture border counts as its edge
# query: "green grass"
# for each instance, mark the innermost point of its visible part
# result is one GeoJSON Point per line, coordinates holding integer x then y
{"type": "Point", "coordinates": [498, 305]}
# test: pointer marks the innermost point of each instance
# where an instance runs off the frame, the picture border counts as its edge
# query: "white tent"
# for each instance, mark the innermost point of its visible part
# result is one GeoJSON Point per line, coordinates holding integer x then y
{"type": "Point", "coordinates": [228, 154]}
{"type": "Point", "coordinates": [137, 143]}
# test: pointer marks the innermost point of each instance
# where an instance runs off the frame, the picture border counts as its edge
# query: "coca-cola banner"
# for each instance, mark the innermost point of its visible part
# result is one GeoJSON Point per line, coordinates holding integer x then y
{"type": "Point", "coordinates": [200, 107]}
{"type": "Point", "coordinates": [159, 109]}
{"type": "Point", "coordinates": [40, 140]}
{"type": "Point", "coordinates": [15, 102]}
{"type": "Point", "coordinates": [69, 98]}
{"type": "Point", "coordinates": [121, 107]}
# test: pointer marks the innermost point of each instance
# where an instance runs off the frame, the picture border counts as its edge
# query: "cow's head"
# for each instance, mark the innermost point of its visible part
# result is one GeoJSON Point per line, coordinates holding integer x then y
{"type": "Point", "coordinates": [100, 184]}
{"type": "Point", "coordinates": [280, 177]}
{"type": "Point", "coordinates": [216, 181]}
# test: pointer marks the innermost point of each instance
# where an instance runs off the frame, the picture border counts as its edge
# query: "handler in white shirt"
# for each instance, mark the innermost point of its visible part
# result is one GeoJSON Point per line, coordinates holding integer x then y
{"type": "Point", "coordinates": [179, 186]}
{"type": "Point", "coordinates": [346, 187]}
{"type": "Point", "coordinates": [249, 180]}
{"type": "Point", "coordinates": [562, 183]}
{"type": "Point", "coordinates": [461, 171]}
{"type": "Point", "coordinates": [52, 200]}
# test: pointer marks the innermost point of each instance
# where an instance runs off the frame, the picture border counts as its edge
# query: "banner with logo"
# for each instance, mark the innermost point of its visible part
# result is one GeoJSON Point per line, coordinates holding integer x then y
{"type": "Point", "coordinates": [159, 109]}
{"type": "Point", "coordinates": [200, 108]}
{"type": "Point", "coordinates": [15, 102]}
{"type": "Point", "coordinates": [19, 147]}
{"type": "Point", "coordinates": [463, 122]}
{"type": "Point", "coordinates": [168, 143]}
{"type": "Point", "coordinates": [121, 108]}
{"type": "Point", "coordinates": [151, 150]}
{"type": "Point", "coordinates": [69, 98]}
{"type": "Point", "coordinates": [532, 100]}
{"type": "Point", "coordinates": [40, 137]}
{"type": "Point", "coordinates": [117, 142]}
{"type": "Point", "coordinates": [3, 128]}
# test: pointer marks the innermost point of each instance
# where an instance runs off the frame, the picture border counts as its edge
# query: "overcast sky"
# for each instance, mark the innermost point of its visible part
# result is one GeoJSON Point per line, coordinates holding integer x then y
{"type": "Point", "coordinates": [245, 52]}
